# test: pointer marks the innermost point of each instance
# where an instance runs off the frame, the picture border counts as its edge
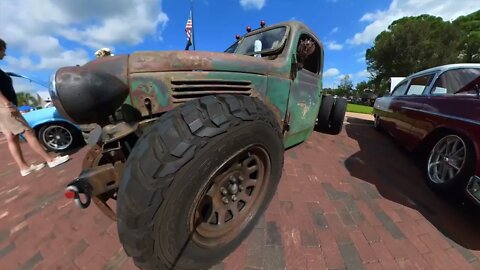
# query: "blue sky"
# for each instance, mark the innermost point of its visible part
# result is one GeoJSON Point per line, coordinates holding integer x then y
{"type": "Point", "coordinates": [45, 35]}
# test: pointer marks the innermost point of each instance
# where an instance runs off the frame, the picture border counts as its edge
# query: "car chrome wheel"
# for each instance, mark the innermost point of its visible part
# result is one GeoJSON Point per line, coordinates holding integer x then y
{"type": "Point", "coordinates": [447, 159]}
{"type": "Point", "coordinates": [57, 137]}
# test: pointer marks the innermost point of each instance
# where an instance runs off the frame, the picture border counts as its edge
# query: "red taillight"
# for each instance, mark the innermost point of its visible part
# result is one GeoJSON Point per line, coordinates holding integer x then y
{"type": "Point", "coordinates": [69, 194]}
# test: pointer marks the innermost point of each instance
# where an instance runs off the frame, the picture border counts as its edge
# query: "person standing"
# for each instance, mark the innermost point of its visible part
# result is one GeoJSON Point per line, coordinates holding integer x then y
{"type": "Point", "coordinates": [12, 124]}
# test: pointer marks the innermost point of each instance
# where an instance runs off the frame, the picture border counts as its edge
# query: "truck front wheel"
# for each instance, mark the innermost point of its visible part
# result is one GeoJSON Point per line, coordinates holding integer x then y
{"type": "Point", "coordinates": [197, 182]}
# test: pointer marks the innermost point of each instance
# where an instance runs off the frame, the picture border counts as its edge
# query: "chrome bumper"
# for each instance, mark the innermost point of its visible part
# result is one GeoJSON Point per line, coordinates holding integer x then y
{"type": "Point", "coordinates": [473, 189]}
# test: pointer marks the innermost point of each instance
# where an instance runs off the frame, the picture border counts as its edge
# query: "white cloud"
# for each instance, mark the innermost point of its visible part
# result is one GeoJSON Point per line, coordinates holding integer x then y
{"type": "Point", "coordinates": [334, 30]}
{"type": "Point", "coordinates": [381, 19]}
{"type": "Point", "coordinates": [38, 30]}
{"type": "Point", "coordinates": [362, 74]}
{"type": "Point", "coordinates": [252, 4]}
{"type": "Point", "coordinates": [334, 46]}
{"type": "Point", "coordinates": [331, 72]}
{"type": "Point", "coordinates": [18, 63]}
{"type": "Point", "coordinates": [341, 76]}
{"type": "Point", "coordinates": [65, 58]}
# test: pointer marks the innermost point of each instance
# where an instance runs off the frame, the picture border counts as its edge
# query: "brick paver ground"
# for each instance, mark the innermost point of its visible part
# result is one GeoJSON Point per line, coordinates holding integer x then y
{"type": "Point", "coordinates": [353, 201]}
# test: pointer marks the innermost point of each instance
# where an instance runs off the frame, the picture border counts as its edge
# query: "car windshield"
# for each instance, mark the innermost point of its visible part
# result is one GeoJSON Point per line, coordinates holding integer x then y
{"type": "Point", "coordinates": [29, 91]}
{"type": "Point", "coordinates": [261, 42]}
{"type": "Point", "coordinates": [458, 81]}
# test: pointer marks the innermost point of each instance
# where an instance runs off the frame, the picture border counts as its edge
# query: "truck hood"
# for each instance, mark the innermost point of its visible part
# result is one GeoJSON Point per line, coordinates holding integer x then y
{"type": "Point", "coordinates": [194, 60]}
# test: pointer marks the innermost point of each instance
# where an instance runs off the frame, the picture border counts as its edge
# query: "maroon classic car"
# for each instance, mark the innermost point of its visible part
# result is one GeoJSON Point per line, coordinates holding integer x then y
{"type": "Point", "coordinates": [437, 113]}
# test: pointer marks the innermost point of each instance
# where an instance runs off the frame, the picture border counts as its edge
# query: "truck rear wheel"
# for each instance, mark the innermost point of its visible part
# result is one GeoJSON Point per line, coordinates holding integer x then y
{"type": "Point", "coordinates": [323, 118]}
{"type": "Point", "coordinates": [197, 181]}
{"type": "Point", "coordinates": [337, 116]}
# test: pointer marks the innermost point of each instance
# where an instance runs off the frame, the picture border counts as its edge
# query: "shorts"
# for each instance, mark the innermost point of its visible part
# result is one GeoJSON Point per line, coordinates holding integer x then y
{"type": "Point", "coordinates": [12, 122]}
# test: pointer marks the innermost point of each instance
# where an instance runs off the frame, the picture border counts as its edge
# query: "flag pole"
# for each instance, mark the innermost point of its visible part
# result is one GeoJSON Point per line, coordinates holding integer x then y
{"type": "Point", "coordinates": [193, 26]}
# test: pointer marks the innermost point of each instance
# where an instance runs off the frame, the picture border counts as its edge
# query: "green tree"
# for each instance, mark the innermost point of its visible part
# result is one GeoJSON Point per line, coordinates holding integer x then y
{"type": "Point", "coordinates": [469, 46]}
{"type": "Point", "coordinates": [412, 44]}
{"type": "Point", "coordinates": [361, 87]}
{"type": "Point", "coordinates": [345, 87]}
{"type": "Point", "coordinates": [25, 98]}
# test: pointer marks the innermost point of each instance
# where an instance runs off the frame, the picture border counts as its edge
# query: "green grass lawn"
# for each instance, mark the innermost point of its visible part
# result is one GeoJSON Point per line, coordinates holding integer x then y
{"type": "Point", "coordinates": [359, 108]}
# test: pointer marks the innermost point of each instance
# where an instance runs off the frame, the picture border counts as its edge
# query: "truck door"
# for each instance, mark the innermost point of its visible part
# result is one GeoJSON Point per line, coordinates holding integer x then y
{"type": "Point", "coordinates": [305, 91]}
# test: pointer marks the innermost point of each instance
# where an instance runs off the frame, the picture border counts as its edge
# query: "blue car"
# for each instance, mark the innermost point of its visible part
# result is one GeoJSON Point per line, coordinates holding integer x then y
{"type": "Point", "coordinates": [54, 131]}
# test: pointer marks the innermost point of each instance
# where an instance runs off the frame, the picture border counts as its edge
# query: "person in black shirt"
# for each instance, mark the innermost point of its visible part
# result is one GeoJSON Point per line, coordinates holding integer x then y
{"type": "Point", "coordinates": [12, 124]}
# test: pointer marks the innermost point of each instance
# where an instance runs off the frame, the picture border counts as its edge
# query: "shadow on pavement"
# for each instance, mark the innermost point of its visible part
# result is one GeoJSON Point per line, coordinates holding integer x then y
{"type": "Point", "coordinates": [399, 178]}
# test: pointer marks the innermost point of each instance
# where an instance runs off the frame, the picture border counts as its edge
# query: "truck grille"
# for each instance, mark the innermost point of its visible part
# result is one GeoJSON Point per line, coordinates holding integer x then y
{"type": "Point", "coordinates": [184, 90]}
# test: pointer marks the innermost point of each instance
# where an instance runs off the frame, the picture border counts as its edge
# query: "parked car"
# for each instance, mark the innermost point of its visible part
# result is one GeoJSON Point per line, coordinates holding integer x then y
{"type": "Point", "coordinates": [437, 112]}
{"type": "Point", "coordinates": [54, 131]}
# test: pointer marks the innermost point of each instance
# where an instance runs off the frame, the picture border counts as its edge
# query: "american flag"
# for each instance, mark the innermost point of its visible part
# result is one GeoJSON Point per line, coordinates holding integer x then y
{"type": "Point", "coordinates": [188, 29]}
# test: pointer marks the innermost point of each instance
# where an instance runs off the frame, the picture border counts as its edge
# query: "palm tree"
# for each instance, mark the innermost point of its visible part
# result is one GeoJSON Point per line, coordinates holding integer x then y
{"type": "Point", "coordinates": [25, 98]}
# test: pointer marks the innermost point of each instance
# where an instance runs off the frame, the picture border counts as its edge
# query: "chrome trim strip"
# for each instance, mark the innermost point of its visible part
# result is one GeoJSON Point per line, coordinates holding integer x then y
{"type": "Point", "coordinates": [469, 186]}
{"type": "Point", "coordinates": [52, 87]}
{"type": "Point", "coordinates": [445, 116]}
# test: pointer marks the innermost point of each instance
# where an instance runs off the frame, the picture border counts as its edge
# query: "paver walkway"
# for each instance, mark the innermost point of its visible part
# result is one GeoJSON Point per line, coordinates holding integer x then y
{"type": "Point", "coordinates": [353, 201]}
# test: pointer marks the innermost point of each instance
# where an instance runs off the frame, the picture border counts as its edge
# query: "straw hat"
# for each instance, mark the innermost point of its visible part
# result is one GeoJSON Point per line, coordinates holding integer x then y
{"type": "Point", "coordinates": [103, 52]}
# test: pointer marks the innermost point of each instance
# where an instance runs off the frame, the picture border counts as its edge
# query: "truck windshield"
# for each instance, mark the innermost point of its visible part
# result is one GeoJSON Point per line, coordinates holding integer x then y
{"type": "Point", "coordinates": [232, 48]}
{"type": "Point", "coordinates": [260, 42]}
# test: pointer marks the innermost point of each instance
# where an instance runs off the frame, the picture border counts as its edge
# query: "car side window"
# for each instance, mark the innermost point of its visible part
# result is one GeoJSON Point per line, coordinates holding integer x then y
{"type": "Point", "coordinates": [457, 81]}
{"type": "Point", "coordinates": [400, 89]}
{"type": "Point", "coordinates": [308, 54]}
{"type": "Point", "coordinates": [418, 84]}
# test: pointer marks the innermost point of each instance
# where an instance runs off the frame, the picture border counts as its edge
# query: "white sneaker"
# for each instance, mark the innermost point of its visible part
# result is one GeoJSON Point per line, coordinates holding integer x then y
{"type": "Point", "coordinates": [58, 160]}
{"type": "Point", "coordinates": [32, 168]}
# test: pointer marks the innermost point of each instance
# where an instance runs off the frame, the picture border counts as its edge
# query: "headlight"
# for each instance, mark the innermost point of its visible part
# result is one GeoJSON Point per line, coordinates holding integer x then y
{"type": "Point", "coordinates": [90, 93]}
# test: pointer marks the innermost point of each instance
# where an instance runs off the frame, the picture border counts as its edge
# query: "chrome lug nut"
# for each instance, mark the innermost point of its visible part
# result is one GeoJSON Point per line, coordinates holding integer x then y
{"type": "Point", "coordinates": [233, 180]}
{"type": "Point", "coordinates": [233, 189]}
{"type": "Point", "coordinates": [234, 197]}
{"type": "Point", "coordinates": [223, 191]}
{"type": "Point", "coordinates": [241, 178]}
{"type": "Point", "coordinates": [225, 200]}
{"type": "Point", "coordinates": [240, 187]}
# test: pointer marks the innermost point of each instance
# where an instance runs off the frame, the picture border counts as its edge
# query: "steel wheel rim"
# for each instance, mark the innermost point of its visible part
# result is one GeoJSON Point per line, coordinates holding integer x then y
{"type": "Point", "coordinates": [57, 137]}
{"type": "Point", "coordinates": [245, 175]}
{"type": "Point", "coordinates": [447, 159]}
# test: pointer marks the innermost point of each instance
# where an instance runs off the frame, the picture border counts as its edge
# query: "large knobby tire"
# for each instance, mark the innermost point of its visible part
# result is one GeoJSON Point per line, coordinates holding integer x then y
{"type": "Point", "coordinates": [323, 117]}
{"type": "Point", "coordinates": [337, 116]}
{"type": "Point", "coordinates": [449, 164]}
{"type": "Point", "coordinates": [175, 205]}
{"type": "Point", "coordinates": [59, 137]}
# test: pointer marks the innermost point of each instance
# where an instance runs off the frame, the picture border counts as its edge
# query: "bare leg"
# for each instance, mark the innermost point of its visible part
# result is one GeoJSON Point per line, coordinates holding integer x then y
{"type": "Point", "coordinates": [15, 150]}
{"type": "Point", "coordinates": [35, 145]}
